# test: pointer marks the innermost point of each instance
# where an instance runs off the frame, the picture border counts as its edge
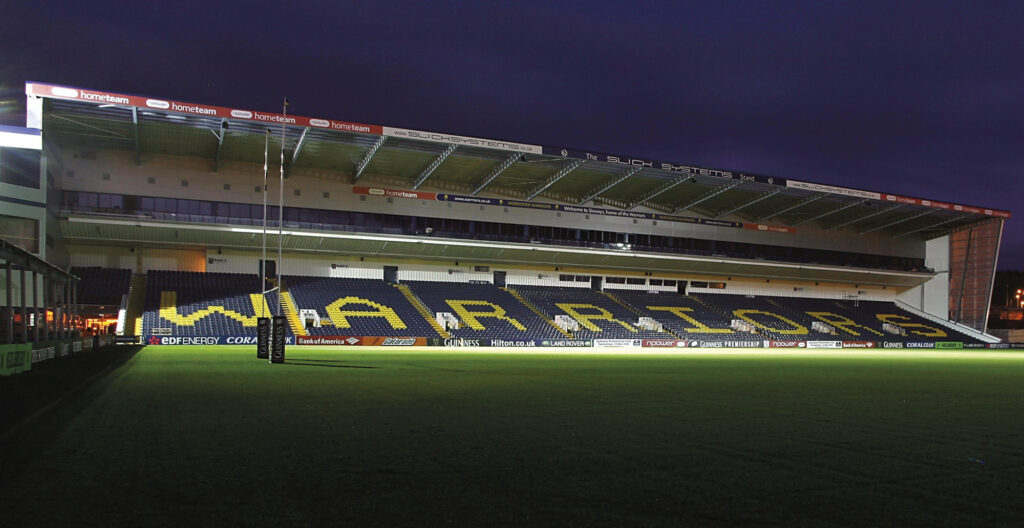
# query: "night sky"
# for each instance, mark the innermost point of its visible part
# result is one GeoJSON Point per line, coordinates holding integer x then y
{"type": "Point", "coordinates": [915, 98]}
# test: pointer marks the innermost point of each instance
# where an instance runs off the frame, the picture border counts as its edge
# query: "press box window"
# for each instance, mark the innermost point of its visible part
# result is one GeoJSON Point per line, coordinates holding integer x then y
{"type": "Point", "coordinates": [20, 167]}
{"type": "Point", "coordinates": [22, 232]}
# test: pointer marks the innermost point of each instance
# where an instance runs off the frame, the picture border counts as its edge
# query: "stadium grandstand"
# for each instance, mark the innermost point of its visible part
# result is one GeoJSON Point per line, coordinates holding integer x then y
{"type": "Point", "coordinates": [144, 217]}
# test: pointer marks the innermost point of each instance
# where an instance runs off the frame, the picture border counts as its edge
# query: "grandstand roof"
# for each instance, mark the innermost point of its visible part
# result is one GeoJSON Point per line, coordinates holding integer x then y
{"type": "Point", "coordinates": [411, 160]}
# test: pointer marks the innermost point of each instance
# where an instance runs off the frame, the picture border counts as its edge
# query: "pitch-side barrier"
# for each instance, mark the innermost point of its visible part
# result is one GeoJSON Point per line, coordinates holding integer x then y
{"type": "Point", "coordinates": [357, 341]}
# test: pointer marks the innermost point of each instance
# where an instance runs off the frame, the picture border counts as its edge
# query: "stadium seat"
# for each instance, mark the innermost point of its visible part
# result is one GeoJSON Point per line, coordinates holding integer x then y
{"type": "Point", "coordinates": [600, 316]}
{"type": "Point", "coordinates": [484, 311]}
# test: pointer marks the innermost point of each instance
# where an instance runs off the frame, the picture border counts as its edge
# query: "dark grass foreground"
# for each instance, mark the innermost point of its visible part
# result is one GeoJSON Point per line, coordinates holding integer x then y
{"type": "Point", "coordinates": [214, 437]}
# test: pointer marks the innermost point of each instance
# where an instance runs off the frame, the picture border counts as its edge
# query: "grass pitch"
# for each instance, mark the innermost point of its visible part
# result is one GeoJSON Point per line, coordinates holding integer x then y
{"type": "Point", "coordinates": [182, 436]}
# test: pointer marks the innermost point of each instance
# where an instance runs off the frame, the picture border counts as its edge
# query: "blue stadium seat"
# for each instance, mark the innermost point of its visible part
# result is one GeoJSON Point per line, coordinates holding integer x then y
{"type": "Point", "coordinates": [362, 307]}
{"type": "Point", "coordinates": [484, 311]}
{"type": "Point", "coordinates": [600, 317]}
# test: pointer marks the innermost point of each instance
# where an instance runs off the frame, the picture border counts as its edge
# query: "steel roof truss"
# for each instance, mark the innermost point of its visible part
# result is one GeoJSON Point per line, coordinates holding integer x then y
{"type": "Point", "coordinates": [897, 222]}
{"type": "Point", "coordinates": [295, 153]}
{"type": "Point", "coordinates": [298, 146]}
{"type": "Point", "coordinates": [109, 134]}
{"type": "Point", "coordinates": [563, 172]}
{"type": "Point", "coordinates": [629, 173]}
{"type": "Point", "coordinates": [748, 203]}
{"type": "Point", "coordinates": [934, 225]}
{"type": "Point", "coordinates": [831, 212]}
{"type": "Point", "coordinates": [220, 143]}
{"type": "Point", "coordinates": [509, 161]}
{"type": "Point", "coordinates": [865, 217]}
{"type": "Point", "coordinates": [810, 199]}
{"type": "Point", "coordinates": [365, 162]}
{"type": "Point", "coordinates": [657, 191]}
{"type": "Point", "coordinates": [135, 128]}
{"type": "Point", "coordinates": [706, 196]}
{"type": "Point", "coordinates": [433, 166]}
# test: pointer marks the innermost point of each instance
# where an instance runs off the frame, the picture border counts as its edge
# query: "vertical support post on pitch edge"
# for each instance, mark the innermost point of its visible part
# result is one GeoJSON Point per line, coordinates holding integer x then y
{"type": "Point", "coordinates": [263, 338]}
{"type": "Point", "coordinates": [277, 345]}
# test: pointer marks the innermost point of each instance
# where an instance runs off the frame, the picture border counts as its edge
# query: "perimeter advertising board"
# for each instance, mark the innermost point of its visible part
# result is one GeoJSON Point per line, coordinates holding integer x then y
{"type": "Point", "coordinates": [663, 343]}
{"type": "Point", "coordinates": [342, 340]}
{"type": "Point", "coordinates": [329, 340]}
{"type": "Point", "coordinates": [43, 354]}
{"type": "Point", "coordinates": [726, 344]}
{"type": "Point", "coordinates": [785, 344]}
{"type": "Point", "coordinates": [824, 344]}
{"type": "Point", "coordinates": [573, 343]}
{"type": "Point", "coordinates": [206, 340]}
{"type": "Point", "coordinates": [394, 341]}
{"type": "Point", "coordinates": [15, 359]}
{"type": "Point", "coordinates": [617, 343]}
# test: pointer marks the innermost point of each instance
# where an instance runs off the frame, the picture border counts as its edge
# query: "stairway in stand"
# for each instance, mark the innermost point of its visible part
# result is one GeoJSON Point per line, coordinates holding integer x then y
{"type": "Point", "coordinates": [418, 304]}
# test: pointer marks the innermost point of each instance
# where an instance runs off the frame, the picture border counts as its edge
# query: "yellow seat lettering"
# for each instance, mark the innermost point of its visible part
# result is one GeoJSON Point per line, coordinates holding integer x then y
{"type": "Point", "coordinates": [682, 313]}
{"type": "Point", "coordinates": [169, 310]}
{"type": "Point", "coordinates": [900, 321]}
{"type": "Point", "coordinates": [470, 312]}
{"type": "Point", "coordinates": [797, 328]}
{"type": "Point", "coordinates": [340, 317]}
{"type": "Point", "coordinates": [573, 310]}
{"type": "Point", "coordinates": [842, 322]}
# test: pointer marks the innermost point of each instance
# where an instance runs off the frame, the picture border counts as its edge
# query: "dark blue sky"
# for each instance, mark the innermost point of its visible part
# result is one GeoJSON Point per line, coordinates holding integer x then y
{"type": "Point", "coordinates": [914, 98]}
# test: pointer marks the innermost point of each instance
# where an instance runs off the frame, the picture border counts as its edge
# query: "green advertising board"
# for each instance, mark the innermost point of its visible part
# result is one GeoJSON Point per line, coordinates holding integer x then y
{"type": "Point", "coordinates": [949, 344]}
{"type": "Point", "coordinates": [15, 359]}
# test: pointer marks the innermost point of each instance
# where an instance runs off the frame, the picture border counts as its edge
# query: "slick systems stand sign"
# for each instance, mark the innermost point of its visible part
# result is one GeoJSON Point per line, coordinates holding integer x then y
{"type": "Point", "coordinates": [263, 338]}
{"type": "Point", "coordinates": [277, 347]}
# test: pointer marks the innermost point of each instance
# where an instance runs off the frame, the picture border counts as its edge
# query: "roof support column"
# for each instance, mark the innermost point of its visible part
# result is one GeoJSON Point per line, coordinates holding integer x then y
{"type": "Point", "coordinates": [76, 319]}
{"type": "Point", "coordinates": [24, 307]}
{"type": "Point", "coordinates": [35, 306]}
{"type": "Point", "coordinates": [66, 305]}
{"type": "Point", "coordinates": [963, 276]}
{"type": "Point", "coordinates": [9, 307]}
{"type": "Point", "coordinates": [47, 295]}
{"type": "Point", "coordinates": [58, 314]}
